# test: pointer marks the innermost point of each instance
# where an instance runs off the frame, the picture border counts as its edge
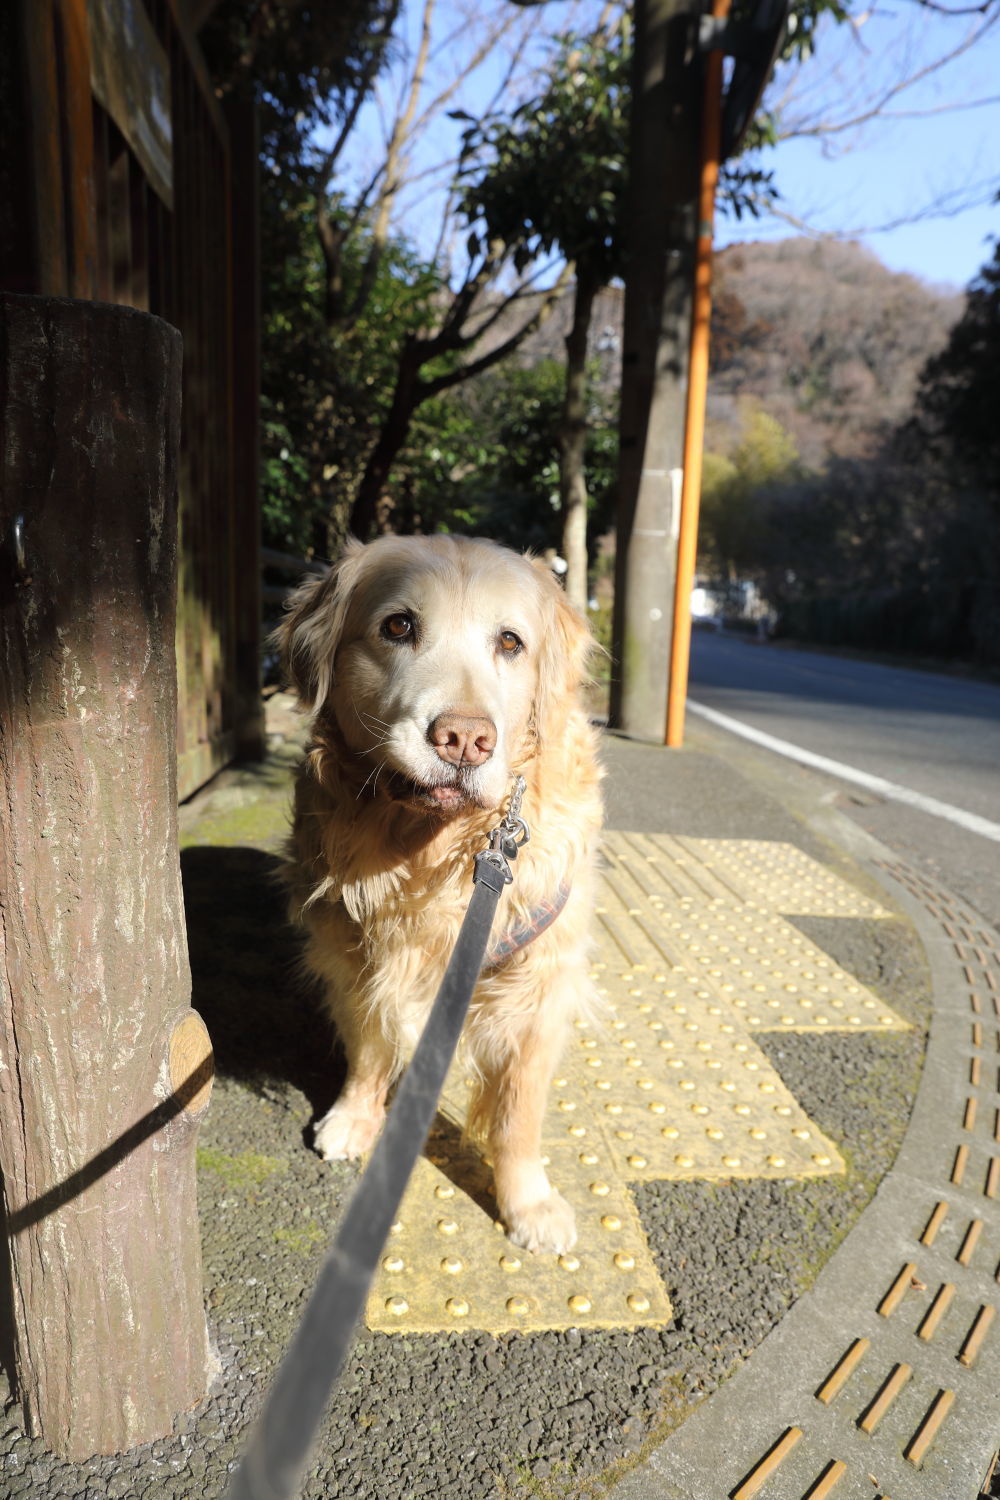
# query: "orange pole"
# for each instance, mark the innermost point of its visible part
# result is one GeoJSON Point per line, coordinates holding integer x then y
{"type": "Point", "coordinates": [694, 427]}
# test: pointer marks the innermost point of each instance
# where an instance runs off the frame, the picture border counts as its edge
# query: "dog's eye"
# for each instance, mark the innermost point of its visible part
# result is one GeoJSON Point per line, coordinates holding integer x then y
{"type": "Point", "coordinates": [397, 627]}
{"type": "Point", "coordinates": [510, 644]}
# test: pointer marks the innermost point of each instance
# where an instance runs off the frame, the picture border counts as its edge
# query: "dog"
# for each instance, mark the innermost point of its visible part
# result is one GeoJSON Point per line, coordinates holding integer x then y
{"type": "Point", "coordinates": [435, 669]}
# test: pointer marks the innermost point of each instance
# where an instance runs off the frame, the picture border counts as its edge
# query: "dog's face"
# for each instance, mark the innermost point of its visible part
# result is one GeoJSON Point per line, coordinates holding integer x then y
{"type": "Point", "coordinates": [439, 659]}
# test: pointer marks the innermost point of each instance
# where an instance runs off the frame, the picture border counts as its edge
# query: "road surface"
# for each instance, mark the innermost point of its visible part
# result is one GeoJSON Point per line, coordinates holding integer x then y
{"type": "Point", "coordinates": [924, 748]}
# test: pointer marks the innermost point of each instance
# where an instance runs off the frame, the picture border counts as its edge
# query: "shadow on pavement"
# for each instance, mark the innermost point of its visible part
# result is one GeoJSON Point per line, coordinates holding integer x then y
{"type": "Point", "coordinates": [263, 1015]}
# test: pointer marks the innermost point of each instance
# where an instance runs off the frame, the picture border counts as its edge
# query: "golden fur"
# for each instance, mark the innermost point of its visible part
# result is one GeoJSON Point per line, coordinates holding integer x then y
{"type": "Point", "coordinates": [435, 668]}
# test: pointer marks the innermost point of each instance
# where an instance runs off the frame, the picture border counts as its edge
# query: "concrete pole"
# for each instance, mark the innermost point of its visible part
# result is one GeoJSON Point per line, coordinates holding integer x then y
{"type": "Point", "coordinates": [661, 234]}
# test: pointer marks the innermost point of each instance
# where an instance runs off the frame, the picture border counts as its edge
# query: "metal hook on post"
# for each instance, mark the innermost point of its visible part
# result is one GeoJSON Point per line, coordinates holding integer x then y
{"type": "Point", "coordinates": [22, 574]}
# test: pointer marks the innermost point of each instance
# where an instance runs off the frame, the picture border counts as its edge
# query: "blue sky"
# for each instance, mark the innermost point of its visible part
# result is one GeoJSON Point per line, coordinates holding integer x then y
{"type": "Point", "coordinates": [895, 166]}
{"type": "Point", "coordinates": [847, 182]}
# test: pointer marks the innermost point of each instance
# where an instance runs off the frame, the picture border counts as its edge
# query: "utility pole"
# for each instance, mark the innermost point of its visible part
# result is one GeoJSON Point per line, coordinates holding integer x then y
{"type": "Point", "coordinates": [679, 138]}
{"type": "Point", "coordinates": [661, 236]}
{"type": "Point", "coordinates": [697, 386]}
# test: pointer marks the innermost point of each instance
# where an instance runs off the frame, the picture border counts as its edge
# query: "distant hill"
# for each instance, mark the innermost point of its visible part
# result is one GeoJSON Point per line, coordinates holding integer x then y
{"type": "Point", "coordinates": [820, 334]}
{"type": "Point", "coordinates": [827, 339]}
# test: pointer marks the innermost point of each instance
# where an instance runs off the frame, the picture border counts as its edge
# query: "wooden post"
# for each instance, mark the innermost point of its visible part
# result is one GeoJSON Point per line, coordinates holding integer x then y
{"type": "Point", "coordinates": [104, 1068]}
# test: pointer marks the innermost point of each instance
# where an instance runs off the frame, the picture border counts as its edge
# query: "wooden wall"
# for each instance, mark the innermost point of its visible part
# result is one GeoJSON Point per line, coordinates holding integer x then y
{"type": "Point", "coordinates": [126, 182]}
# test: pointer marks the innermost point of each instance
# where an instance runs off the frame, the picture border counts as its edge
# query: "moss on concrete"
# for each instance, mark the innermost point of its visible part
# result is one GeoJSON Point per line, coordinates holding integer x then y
{"type": "Point", "coordinates": [241, 1173]}
{"type": "Point", "coordinates": [260, 824]}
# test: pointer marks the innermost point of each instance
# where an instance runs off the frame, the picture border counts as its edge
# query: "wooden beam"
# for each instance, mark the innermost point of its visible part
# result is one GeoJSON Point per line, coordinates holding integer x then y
{"type": "Point", "coordinates": [179, 10]}
{"type": "Point", "coordinates": [248, 707]}
{"type": "Point", "coordinates": [77, 114]}
{"type": "Point", "coordinates": [38, 39]}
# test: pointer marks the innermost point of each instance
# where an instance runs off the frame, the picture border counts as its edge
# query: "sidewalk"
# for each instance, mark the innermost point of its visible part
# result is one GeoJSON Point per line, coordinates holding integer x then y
{"type": "Point", "coordinates": [771, 997]}
{"type": "Point", "coordinates": [883, 1379]}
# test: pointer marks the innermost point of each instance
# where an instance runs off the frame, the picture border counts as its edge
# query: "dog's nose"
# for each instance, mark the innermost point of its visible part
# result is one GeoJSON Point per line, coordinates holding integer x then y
{"type": "Point", "coordinates": [463, 739]}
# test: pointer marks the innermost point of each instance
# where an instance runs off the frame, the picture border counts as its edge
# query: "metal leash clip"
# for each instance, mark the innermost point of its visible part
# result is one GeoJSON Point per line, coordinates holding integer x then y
{"type": "Point", "coordinates": [510, 834]}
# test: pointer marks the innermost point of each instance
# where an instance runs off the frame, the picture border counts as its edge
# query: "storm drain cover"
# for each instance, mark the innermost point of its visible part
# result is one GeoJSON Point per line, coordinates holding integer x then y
{"type": "Point", "coordinates": [692, 957]}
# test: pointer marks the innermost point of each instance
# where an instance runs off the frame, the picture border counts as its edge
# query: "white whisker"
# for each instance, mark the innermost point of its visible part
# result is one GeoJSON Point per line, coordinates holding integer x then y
{"type": "Point", "coordinates": [372, 773]}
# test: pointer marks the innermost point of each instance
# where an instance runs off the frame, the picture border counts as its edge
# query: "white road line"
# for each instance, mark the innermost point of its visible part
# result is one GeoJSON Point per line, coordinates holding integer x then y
{"type": "Point", "coordinates": [890, 789]}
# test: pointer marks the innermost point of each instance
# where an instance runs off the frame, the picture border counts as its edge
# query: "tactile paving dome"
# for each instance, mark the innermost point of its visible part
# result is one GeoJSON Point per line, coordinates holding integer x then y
{"type": "Point", "coordinates": [692, 957]}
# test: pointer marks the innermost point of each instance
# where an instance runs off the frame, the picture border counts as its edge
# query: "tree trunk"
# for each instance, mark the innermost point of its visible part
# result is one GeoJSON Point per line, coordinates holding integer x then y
{"type": "Point", "coordinates": [105, 1070]}
{"type": "Point", "coordinates": [406, 397]}
{"type": "Point", "coordinates": [411, 390]}
{"type": "Point", "coordinates": [573, 442]}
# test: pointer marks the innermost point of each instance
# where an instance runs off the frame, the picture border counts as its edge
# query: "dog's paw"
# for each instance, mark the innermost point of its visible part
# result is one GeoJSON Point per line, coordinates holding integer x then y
{"type": "Point", "coordinates": [548, 1225]}
{"type": "Point", "coordinates": [343, 1134]}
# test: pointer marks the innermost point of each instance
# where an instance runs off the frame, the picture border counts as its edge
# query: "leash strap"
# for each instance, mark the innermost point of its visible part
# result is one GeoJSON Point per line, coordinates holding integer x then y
{"type": "Point", "coordinates": [283, 1434]}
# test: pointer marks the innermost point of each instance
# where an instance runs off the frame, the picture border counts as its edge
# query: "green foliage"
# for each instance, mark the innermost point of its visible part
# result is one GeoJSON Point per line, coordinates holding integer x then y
{"type": "Point", "coordinates": [484, 459]}
{"type": "Point", "coordinates": [301, 60]}
{"type": "Point", "coordinates": [549, 178]}
{"type": "Point", "coordinates": [897, 548]}
{"type": "Point", "coordinates": [736, 492]}
{"type": "Point", "coordinates": [804, 19]}
{"type": "Point", "coordinates": [959, 398]}
{"type": "Point", "coordinates": [551, 175]}
{"type": "Point", "coordinates": [321, 396]}
{"type": "Point", "coordinates": [325, 391]}
{"type": "Point", "coordinates": [766, 454]}
{"type": "Point", "coordinates": [285, 523]}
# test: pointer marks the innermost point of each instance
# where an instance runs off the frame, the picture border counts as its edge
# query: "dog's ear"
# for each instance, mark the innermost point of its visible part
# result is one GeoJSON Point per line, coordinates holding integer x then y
{"type": "Point", "coordinates": [310, 633]}
{"type": "Point", "coordinates": [565, 654]}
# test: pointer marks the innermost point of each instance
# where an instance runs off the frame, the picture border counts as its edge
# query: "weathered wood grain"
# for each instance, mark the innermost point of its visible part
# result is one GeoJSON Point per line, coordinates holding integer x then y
{"type": "Point", "coordinates": [97, 1128]}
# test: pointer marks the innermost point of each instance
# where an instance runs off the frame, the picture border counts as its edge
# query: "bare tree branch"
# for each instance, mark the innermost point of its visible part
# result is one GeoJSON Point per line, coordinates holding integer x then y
{"type": "Point", "coordinates": [483, 51]}
{"type": "Point", "coordinates": [955, 10]}
{"type": "Point", "coordinates": [822, 124]}
{"type": "Point", "coordinates": [944, 205]}
{"type": "Point", "coordinates": [409, 121]}
{"type": "Point", "coordinates": [494, 356]}
{"type": "Point", "coordinates": [959, 106]}
{"type": "Point", "coordinates": [521, 293]}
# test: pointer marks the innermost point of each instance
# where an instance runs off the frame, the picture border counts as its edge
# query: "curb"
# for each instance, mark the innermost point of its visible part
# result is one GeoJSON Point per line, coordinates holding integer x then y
{"type": "Point", "coordinates": [882, 1380]}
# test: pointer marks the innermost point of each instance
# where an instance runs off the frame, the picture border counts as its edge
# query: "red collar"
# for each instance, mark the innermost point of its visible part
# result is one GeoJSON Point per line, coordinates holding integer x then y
{"type": "Point", "coordinates": [519, 937]}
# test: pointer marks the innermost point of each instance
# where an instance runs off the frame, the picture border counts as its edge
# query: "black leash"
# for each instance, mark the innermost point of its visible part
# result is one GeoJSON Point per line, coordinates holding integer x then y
{"type": "Point", "coordinates": [293, 1409]}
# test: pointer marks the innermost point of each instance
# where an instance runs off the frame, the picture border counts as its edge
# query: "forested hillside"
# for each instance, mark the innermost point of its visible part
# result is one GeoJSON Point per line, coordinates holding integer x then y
{"type": "Point", "coordinates": [851, 460]}
{"type": "Point", "coordinates": [862, 492]}
{"type": "Point", "coordinates": [820, 335]}
{"type": "Point", "coordinates": [827, 340]}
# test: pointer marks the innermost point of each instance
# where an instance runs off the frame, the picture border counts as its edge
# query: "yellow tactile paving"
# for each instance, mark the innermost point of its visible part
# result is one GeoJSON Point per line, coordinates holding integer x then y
{"type": "Point", "coordinates": [692, 957]}
{"type": "Point", "coordinates": [762, 964]}
{"type": "Point", "coordinates": [660, 868]}
{"type": "Point", "coordinates": [900, 1403]}
{"type": "Point", "coordinates": [681, 1090]}
{"type": "Point", "coordinates": [449, 1265]}
{"type": "Point", "coordinates": [778, 877]}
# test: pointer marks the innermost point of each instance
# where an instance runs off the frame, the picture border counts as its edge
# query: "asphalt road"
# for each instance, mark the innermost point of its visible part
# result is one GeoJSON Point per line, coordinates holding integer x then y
{"type": "Point", "coordinates": [937, 736]}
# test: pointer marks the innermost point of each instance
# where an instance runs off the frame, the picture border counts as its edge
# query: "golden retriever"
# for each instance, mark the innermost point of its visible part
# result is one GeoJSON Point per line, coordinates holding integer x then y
{"type": "Point", "coordinates": [435, 668]}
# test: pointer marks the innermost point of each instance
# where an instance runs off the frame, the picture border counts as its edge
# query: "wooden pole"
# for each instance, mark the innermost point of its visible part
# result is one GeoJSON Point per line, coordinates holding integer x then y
{"type": "Point", "coordinates": [104, 1068]}
{"type": "Point", "coordinates": [694, 425]}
